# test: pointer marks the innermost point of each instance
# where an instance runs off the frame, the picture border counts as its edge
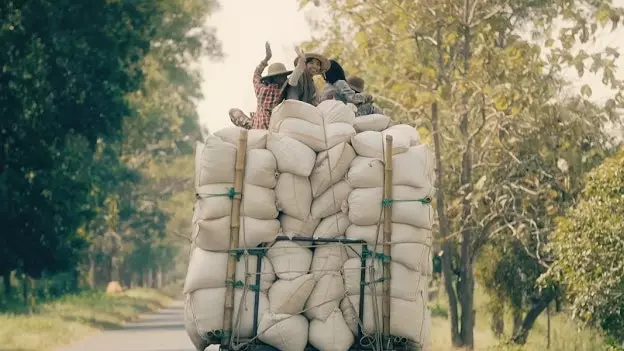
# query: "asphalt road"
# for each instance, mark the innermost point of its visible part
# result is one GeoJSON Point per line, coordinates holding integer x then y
{"type": "Point", "coordinates": [161, 331]}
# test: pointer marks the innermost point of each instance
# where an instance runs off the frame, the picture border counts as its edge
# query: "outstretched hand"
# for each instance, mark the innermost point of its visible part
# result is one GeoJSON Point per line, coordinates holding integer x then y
{"type": "Point", "coordinates": [269, 53]}
{"type": "Point", "coordinates": [300, 55]}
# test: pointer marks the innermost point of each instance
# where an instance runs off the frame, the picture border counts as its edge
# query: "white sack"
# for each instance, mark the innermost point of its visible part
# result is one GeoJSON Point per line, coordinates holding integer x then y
{"type": "Point", "coordinates": [375, 123]}
{"type": "Point", "coordinates": [214, 162]}
{"type": "Point", "coordinates": [297, 110]}
{"type": "Point", "coordinates": [366, 172]}
{"type": "Point", "coordinates": [294, 196]}
{"type": "Point", "coordinates": [331, 166]}
{"type": "Point", "coordinates": [365, 206]}
{"type": "Point", "coordinates": [199, 341]}
{"type": "Point", "coordinates": [317, 137]}
{"type": "Point", "coordinates": [292, 226]}
{"type": "Point", "coordinates": [206, 310]}
{"type": "Point", "coordinates": [325, 296]}
{"type": "Point", "coordinates": [215, 234]}
{"type": "Point", "coordinates": [406, 317]}
{"type": "Point", "coordinates": [335, 111]}
{"type": "Point", "coordinates": [426, 332]}
{"type": "Point", "coordinates": [402, 131]}
{"type": "Point", "coordinates": [289, 296]}
{"type": "Point", "coordinates": [332, 226]}
{"type": "Point", "coordinates": [291, 155]}
{"type": "Point", "coordinates": [411, 246]}
{"type": "Point", "coordinates": [331, 201]}
{"type": "Point", "coordinates": [328, 258]}
{"type": "Point", "coordinates": [414, 168]}
{"type": "Point", "coordinates": [261, 168]}
{"type": "Point", "coordinates": [332, 334]}
{"type": "Point", "coordinates": [258, 202]}
{"type": "Point", "coordinates": [283, 331]}
{"type": "Point", "coordinates": [210, 203]}
{"type": "Point", "coordinates": [246, 271]}
{"type": "Point", "coordinates": [404, 283]}
{"type": "Point", "coordinates": [372, 144]}
{"type": "Point", "coordinates": [289, 259]}
{"type": "Point", "coordinates": [256, 138]}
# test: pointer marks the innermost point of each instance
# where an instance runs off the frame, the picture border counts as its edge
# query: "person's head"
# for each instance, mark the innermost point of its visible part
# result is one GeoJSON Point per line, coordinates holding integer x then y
{"type": "Point", "coordinates": [315, 64]}
{"type": "Point", "coordinates": [356, 83]}
{"type": "Point", "coordinates": [276, 74]}
{"type": "Point", "coordinates": [334, 73]}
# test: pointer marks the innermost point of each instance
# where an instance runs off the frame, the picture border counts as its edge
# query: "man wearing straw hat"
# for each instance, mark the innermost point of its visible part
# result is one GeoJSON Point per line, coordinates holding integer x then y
{"type": "Point", "coordinates": [268, 91]}
{"type": "Point", "coordinates": [368, 107]}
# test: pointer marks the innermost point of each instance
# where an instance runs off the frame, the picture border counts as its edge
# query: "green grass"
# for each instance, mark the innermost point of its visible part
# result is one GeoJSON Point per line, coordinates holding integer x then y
{"type": "Point", "coordinates": [565, 334]}
{"type": "Point", "coordinates": [71, 317]}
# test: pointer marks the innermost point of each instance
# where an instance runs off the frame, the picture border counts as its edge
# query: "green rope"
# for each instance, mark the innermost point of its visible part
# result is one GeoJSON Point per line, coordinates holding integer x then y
{"type": "Point", "coordinates": [260, 252]}
{"type": "Point", "coordinates": [385, 203]}
{"type": "Point", "coordinates": [376, 255]}
{"type": "Point", "coordinates": [241, 284]}
{"type": "Point", "coordinates": [231, 193]}
{"type": "Point", "coordinates": [380, 280]}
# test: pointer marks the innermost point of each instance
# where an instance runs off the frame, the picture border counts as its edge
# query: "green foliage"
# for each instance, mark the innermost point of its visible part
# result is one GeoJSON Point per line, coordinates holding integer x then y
{"type": "Point", "coordinates": [588, 248]}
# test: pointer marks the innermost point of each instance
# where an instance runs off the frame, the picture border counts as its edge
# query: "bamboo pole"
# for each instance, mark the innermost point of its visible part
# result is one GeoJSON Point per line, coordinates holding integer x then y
{"type": "Point", "coordinates": [228, 311]}
{"type": "Point", "coordinates": [387, 238]}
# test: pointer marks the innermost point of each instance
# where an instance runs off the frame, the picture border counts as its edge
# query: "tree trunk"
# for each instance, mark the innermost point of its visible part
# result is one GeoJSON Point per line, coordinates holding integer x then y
{"type": "Point", "coordinates": [517, 320]}
{"type": "Point", "coordinates": [91, 273]}
{"type": "Point", "coordinates": [150, 278]}
{"type": "Point", "coordinates": [521, 336]}
{"type": "Point", "coordinates": [6, 279]}
{"type": "Point", "coordinates": [447, 246]}
{"type": "Point", "coordinates": [159, 278]}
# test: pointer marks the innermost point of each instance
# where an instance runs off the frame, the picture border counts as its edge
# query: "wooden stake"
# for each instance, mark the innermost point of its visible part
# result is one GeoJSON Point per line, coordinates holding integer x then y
{"type": "Point", "coordinates": [228, 311]}
{"type": "Point", "coordinates": [387, 238]}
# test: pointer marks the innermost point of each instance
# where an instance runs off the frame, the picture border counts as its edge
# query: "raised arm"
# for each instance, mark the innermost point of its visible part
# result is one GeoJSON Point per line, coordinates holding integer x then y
{"type": "Point", "coordinates": [293, 78]}
{"type": "Point", "coordinates": [351, 96]}
{"type": "Point", "coordinates": [257, 76]}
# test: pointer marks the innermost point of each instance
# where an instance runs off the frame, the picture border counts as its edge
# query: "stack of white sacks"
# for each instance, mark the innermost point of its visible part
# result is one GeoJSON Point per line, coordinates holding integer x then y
{"type": "Point", "coordinates": [317, 172]}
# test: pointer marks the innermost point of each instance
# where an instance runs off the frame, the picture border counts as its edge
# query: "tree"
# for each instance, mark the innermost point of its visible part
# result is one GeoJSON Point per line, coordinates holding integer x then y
{"type": "Point", "coordinates": [588, 249]}
{"type": "Point", "coordinates": [464, 66]}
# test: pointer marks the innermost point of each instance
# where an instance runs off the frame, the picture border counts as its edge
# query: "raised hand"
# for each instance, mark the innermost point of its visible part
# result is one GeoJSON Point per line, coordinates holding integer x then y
{"type": "Point", "coordinates": [300, 55]}
{"type": "Point", "coordinates": [269, 53]}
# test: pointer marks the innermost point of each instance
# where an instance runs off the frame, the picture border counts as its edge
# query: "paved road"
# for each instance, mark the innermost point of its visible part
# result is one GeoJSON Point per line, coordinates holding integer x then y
{"type": "Point", "coordinates": [162, 331]}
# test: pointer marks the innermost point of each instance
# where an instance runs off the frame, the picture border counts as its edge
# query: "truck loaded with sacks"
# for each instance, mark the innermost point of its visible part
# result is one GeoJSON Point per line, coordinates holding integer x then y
{"type": "Point", "coordinates": [314, 234]}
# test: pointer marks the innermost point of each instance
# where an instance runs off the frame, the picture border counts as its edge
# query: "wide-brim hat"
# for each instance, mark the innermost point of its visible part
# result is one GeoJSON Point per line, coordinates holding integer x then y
{"type": "Point", "coordinates": [324, 61]}
{"type": "Point", "coordinates": [356, 83]}
{"type": "Point", "coordinates": [276, 69]}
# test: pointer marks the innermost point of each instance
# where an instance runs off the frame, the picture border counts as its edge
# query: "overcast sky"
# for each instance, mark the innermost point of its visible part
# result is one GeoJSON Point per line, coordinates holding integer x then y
{"type": "Point", "coordinates": [243, 26]}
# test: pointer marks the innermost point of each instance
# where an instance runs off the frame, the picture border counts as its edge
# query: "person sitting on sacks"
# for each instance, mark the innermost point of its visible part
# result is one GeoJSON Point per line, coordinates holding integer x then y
{"type": "Point", "coordinates": [367, 108]}
{"type": "Point", "coordinates": [269, 93]}
{"type": "Point", "coordinates": [301, 83]}
{"type": "Point", "coordinates": [337, 88]}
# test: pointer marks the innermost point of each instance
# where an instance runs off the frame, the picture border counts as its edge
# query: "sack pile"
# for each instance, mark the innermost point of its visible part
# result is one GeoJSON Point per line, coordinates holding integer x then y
{"type": "Point", "coordinates": [317, 172]}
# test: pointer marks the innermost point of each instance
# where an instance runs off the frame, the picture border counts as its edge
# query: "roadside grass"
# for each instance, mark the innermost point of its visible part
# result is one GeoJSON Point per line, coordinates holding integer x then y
{"type": "Point", "coordinates": [56, 323]}
{"type": "Point", "coordinates": [565, 334]}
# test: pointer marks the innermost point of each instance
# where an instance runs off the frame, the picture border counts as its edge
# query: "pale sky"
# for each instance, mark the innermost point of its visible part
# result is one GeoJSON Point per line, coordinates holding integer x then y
{"type": "Point", "coordinates": [243, 26]}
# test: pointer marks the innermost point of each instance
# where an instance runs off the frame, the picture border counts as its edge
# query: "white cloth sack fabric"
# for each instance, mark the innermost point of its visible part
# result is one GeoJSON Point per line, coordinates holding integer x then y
{"type": "Point", "coordinates": [404, 283]}
{"type": "Point", "coordinates": [349, 314]}
{"type": "Point", "coordinates": [283, 331]}
{"type": "Point", "coordinates": [292, 226]}
{"type": "Point", "coordinates": [256, 138]}
{"type": "Point", "coordinates": [260, 168]}
{"type": "Point", "coordinates": [366, 172]}
{"type": "Point", "coordinates": [325, 297]}
{"type": "Point", "coordinates": [215, 234]}
{"type": "Point", "coordinates": [258, 202]}
{"type": "Point", "coordinates": [331, 166]}
{"type": "Point", "coordinates": [214, 162]}
{"type": "Point", "coordinates": [332, 226]}
{"type": "Point", "coordinates": [411, 246]}
{"type": "Point", "coordinates": [317, 137]}
{"type": "Point", "coordinates": [373, 144]}
{"type": "Point", "coordinates": [246, 271]}
{"type": "Point", "coordinates": [294, 196]}
{"type": "Point", "coordinates": [327, 259]}
{"type": "Point", "coordinates": [208, 269]}
{"type": "Point", "coordinates": [374, 122]}
{"type": "Point", "coordinates": [289, 259]}
{"type": "Point", "coordinates": [289, 296]}
{"type": "Point", "coordinates": [211, 202]}
{"type": "Point", "coordinates": [404, 130]}
{"type": "Point", "coordinates": [406, 317]}
{"type": "Point", "coordinates": [335, 111]}
{"type": "Point", "coordinates": [292, 156]}
{"type": "Point", "coordinates": [206, 310]}
{"type": "Point", "coordinates": [294, 109]}
{"type": "Point", "coordinates": [333, 334]}
{"type": "Point", "coordinates": [414, 168]}
{"type": "Point", "coordinates": [331, 201]}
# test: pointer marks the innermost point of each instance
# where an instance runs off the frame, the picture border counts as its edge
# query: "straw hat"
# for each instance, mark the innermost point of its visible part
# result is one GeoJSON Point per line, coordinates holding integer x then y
{"type": "Point", "coordinates": [324, 61]}
{"type": "Point", "coordinates": [276, 69]}
{"type": "Point", "coordinates": [356, 83]}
